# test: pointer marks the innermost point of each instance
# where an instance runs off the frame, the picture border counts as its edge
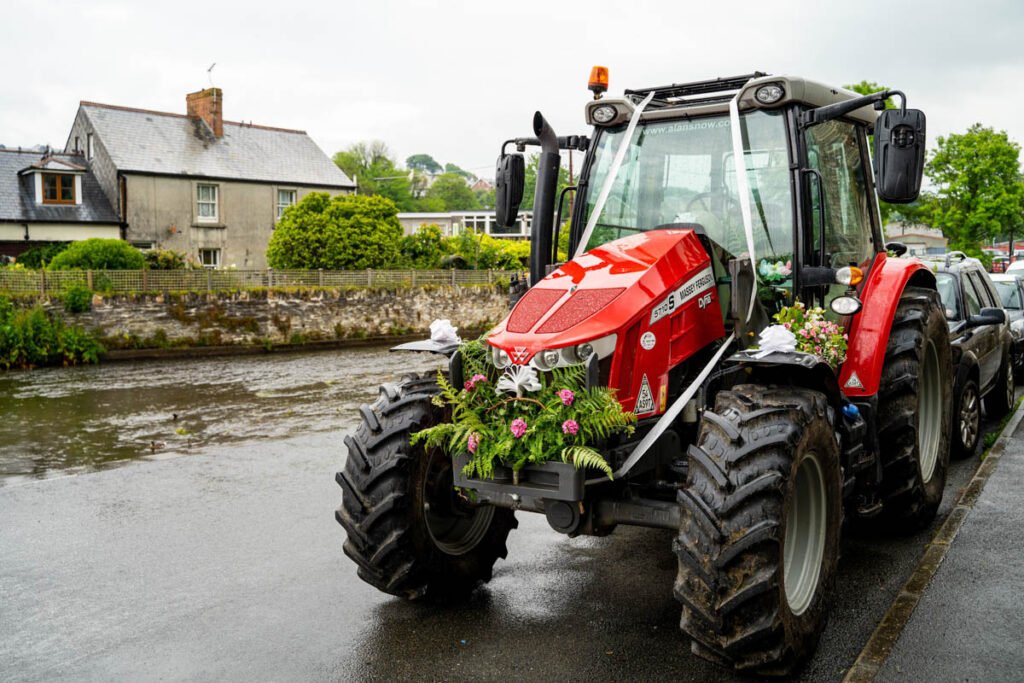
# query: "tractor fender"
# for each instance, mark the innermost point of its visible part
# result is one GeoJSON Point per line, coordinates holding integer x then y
{"type": "Point", "coordinates": [792, 369]}
{"type": "Point", "coordinates": [869, 329]}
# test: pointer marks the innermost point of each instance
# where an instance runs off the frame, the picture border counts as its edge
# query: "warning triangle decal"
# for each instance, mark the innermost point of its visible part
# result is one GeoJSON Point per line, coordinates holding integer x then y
{"type": "Point", "coordinates": [645, 401]}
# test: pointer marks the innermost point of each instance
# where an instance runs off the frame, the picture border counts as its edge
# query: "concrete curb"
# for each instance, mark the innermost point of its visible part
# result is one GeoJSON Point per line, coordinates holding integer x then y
{"type": "Point", "coordinates": [883, 640]}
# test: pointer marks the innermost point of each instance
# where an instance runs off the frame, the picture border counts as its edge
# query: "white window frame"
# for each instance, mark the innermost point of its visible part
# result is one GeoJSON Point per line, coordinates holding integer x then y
{"type": "Point", "coordinates": [281, 207]}
{"type": "Point", "coordinates": [200, 218]}
{"type": "Point", "coordinates": [215, 252]}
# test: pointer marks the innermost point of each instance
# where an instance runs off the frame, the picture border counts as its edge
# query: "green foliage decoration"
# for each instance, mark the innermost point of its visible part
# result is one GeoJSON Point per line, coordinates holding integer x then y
{"type": "Point", "coordinates": [99, 254]}
{"type": "Point", "coordinates": [337, 233]}
{"type": "Point", "coordinates": [551, 416]}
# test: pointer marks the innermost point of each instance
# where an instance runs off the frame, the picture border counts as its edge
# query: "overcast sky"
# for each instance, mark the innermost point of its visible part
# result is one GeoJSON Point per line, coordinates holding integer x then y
{"type": "Point", "coordinates": [454, 79]}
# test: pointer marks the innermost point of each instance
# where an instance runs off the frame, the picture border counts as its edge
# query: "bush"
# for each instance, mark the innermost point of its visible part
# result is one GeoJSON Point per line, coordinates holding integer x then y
{"type": "Point", "coordinates": [99, 254]}
{"type": "Point", "coordinates": [30, 338]}
{"type": "Point", "coordinates": [474, 251]}
{"type": "Point", "coordinates": [337, 233]}
{"type": "Point", "coordinates": [164, 259]}
{"type": "Point", "coordinates": [425, 248]}
{"type": "Point", "coordinates": [39, 257]}
{"type": "Point", "coordinates": [77, 299]}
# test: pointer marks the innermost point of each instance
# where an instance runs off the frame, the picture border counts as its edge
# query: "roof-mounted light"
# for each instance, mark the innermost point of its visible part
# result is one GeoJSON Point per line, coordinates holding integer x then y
{"type": "Point", "coordinates": [603, 114]}
{"type": "Point", "coordinates": [770, 93]}
{"type": "Point", "coordinates": [598, 83]}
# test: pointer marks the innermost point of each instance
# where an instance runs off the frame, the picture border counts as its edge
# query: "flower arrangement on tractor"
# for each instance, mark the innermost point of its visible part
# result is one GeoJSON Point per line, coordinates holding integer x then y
{"type": "Point", "coordinates": [519, 417]}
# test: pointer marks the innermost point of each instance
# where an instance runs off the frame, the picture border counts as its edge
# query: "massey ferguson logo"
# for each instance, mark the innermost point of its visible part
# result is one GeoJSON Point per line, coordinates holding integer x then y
{"type": "Point", "coordinates": [519, 354]}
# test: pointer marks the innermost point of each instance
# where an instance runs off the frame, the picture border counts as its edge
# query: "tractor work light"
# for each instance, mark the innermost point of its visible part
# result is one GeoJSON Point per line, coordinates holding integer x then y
{"type": "Point", "coordinates": [598, 83]}
{"type": "Point", "coordinates": [845, 305]}
{"type": "Point", "coordinates": [604, 114]}
{"type": "Point", "coordinates": [584, 351]}
{"type": "Point", "coordinates": [500, 358]}
{"type": "Point", "coordinates": [548, 359]}
{"type": "Point", "coordinates": [769, 93]}
{"type": "Point", "coordinates": [849, 276]}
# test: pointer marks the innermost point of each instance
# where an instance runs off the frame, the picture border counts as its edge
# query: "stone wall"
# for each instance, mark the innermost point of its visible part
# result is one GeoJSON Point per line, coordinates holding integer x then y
{"type": "Point", "coordinates": [276, 317]}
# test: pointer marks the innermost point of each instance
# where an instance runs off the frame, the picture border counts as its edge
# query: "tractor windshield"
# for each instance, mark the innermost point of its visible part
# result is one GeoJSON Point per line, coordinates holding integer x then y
{"type": "Point", "coordinates": [682, 171]}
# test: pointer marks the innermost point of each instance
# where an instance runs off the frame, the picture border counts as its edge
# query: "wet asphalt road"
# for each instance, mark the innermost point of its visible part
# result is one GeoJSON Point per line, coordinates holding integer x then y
{"type": "Point", "coordinates": [226, 564]}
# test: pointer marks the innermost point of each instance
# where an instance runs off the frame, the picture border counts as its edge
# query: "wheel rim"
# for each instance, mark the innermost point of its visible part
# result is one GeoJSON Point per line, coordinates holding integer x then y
{"type": "Point", "coordinates": [969, 416]}
{"type": "Point", "coordinates": [455, 526]}
{"type": "Point", "coordinates": [805, 534]}
{"type": "Point", "coordinates": [929, 419]}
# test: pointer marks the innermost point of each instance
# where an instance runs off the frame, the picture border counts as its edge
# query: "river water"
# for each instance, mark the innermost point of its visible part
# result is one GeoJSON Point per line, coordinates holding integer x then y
{"type": "Point", "coordinates": [56, 421]}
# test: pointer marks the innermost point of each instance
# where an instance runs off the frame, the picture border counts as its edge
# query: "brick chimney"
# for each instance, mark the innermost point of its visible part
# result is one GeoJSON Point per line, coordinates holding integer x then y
{"type": "Point", "coordinates": [208, 105]}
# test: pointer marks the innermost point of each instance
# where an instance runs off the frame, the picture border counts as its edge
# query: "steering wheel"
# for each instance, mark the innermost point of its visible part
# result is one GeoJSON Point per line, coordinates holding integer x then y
{"type": "Point", "coordinates": [702, 201]}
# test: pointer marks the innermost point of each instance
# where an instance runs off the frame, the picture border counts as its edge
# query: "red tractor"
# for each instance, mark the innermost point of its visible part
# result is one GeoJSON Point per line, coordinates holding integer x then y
{"type": "Point", "coordinates": [752, 459]}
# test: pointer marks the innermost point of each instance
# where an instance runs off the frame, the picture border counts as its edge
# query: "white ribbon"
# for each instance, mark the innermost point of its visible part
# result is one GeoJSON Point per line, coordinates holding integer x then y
{"type": "Point", "coordinates": [743, 187]}
{"type": "Point", "coordinates": [606, 189]}
{"type": "Point", "coordinates": [775, 338]}
{"type": "Point", "coordinates": [517, 380]}
{"type": "Point", "coordinates": [442, 332]}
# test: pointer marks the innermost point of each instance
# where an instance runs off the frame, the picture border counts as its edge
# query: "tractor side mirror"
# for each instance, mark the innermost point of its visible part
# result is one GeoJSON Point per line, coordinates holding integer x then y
{"type": "Point", "coordinates": [510, 177]}
{"type": "Point", "coordinates": [899, 154]}
{"type": "Point", "coordinates": [988, 316]}
{"type": "Point", "coordinates": [897, 248]}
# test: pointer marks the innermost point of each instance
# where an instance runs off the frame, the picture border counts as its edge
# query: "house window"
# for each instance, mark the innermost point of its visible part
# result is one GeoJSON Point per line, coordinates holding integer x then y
{"type": "Point", "coordinates": [285, 198]}
{"type": "Point", "coordinates": [206, 203]}
{"type": "Point", "coordinates": [209, 258]}
{"type": "Point", "coordinates": [58, 188]}
{"type": "Point", "coordinates": [88, 146]}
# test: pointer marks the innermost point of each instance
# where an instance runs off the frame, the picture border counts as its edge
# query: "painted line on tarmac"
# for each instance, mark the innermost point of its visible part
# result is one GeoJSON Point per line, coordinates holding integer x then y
{"type": "Point", "coordinates": [889, 629]}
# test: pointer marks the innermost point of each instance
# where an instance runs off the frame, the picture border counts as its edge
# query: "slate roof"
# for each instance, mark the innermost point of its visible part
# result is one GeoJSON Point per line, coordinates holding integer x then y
{"type": "Point", "coordinates": [174, 144]}
{"type": "Point", "coordinates": [17, 192]}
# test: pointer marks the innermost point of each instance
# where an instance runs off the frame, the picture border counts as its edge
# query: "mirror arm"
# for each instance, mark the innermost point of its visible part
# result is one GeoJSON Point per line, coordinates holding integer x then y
{"type": "Point", "coordinates": [813, 117]}
{"type": "Point", "coordinates": [578, 143]}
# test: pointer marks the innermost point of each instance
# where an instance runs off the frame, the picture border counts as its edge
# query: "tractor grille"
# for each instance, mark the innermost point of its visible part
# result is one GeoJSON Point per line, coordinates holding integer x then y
{"type": "Point", "coordinates": [578, 308]}
{"type": "Point", "coordinates": [534, 304]}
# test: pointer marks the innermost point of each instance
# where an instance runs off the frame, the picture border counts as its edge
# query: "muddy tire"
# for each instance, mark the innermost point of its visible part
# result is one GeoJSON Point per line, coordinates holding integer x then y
{"type": "Point", "coordinates": [914, 406]}
{"type": "Point", "coordinates": [999, 401]}
{"type": "Point", "coordinates": [763, 493]}
{"type": "Point", "coordinates": [408, 531]}
{"type": "Point", "coordinates": [966, 420]}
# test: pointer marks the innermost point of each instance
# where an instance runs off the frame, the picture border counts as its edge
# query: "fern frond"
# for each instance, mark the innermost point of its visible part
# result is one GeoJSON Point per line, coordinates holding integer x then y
{"type": "Point", "coordinates": [583, 457]}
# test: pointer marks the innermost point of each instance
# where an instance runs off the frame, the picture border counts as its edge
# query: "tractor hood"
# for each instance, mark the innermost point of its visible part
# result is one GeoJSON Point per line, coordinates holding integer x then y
{"type": "Point", "coordinates": [605, 291]}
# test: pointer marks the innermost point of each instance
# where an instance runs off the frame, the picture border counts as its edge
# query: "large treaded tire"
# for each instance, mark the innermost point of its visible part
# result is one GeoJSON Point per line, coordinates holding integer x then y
{"type": "Point", "coordinates": [739, 497]}
{"type": "Point", "coordinates": [408, 531]}
{"type": "Point", "coordinates": [907, 415]}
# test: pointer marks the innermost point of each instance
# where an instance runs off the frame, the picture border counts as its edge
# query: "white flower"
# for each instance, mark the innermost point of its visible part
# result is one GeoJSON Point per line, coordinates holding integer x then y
{"type": "Point", "coordinates": [442, 332]}
{"type": "Point", "coordinates": [518, 379]}
{"type": "Point", "coordinates": [776, 338]}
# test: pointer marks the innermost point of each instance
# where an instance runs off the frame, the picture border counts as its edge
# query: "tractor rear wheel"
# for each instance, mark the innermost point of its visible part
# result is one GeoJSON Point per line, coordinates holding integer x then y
{"type": "Point", "coordinates": [914, 406]}
{"type": "Point", "coordinates": [758, 543]}
{"type": "Point", "coordinates": [409, 531]}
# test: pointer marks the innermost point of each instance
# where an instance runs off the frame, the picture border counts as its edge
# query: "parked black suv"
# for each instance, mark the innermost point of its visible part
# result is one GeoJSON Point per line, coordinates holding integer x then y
{"type": "Point", "coordinates": [982, 348]}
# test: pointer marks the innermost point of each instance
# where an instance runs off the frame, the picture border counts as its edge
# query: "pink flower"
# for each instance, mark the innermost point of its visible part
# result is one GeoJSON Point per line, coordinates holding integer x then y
{"type": "Point", "coordinates": [570, 427]}
{"type": "Point", "coordinates": [478, 378]}
{"type": "Point", "coordinates": [567, 397]}
{"type": "Point", "coordinates": [468, 385]}
{"type": "Point", "coordinates": [472, 442]}
{"type": "Point", "coordinates": [518, 427]}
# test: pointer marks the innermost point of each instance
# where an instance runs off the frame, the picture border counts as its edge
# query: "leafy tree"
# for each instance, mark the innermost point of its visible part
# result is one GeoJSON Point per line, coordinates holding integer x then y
{"type": "Point", "coordinates": [453, 190]}
{"type": "Point", "coordinates": [423, 162]}
{"type": "Point", "coordinates": [425, 248]}
{"type": "Point", "coordinates": [452, 168]}
{"type": "Point", "coordinates": [485, 198]}
{"type": "Point", "coordinates": [337, 233]}
{"type": "Point", "coordinates": [99, 254]}
{"type": "Point", "coordinates": [530, 185]}
{"type": "Point", "coordinates": [370, 164]}
{"type": "Point", "coordinates": [979, 191]}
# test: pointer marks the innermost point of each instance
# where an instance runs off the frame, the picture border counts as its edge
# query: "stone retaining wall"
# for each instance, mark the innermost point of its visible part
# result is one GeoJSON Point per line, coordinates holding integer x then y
{"type": "Point", "coordinates": [272, 317]}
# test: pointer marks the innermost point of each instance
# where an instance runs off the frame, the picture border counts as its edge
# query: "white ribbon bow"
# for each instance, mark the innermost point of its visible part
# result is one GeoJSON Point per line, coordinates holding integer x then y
{"type": "Point", "coordinates": [518, 379]}
{"type": "Point", "coordinates": [442, 332]}
{"type": "Point", "coordinates": [776, 338]}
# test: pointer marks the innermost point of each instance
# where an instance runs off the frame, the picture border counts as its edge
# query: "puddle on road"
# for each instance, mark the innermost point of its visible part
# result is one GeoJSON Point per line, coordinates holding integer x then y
{"type": "Point", "coordinates": [57, 420]}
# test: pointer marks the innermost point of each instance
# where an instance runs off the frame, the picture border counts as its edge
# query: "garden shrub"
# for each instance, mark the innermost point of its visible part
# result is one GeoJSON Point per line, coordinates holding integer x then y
{"type": "Point", "coordinates": [41, 256]}
{"type": "Point", "coordinates": [99, 254]}
{"type": "Point", "coordinates": [164, 259]}
{"type": "Point", "coordinates": [31, 337]}
{"type": "Point", "coordinates": [77, 299]}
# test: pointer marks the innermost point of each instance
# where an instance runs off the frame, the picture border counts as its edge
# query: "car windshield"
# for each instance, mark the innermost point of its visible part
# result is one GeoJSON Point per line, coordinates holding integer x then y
{"type": "Point", "coordinates": [1008, 294]}
{"type": "Point", "coordinates": [946, 285]}
{"type": "Point", "coordinates": [682, 172]}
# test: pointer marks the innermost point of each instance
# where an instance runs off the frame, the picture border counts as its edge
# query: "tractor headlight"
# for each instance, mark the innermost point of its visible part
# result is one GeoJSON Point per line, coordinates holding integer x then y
{"type": "Point", "coordinates": [500, 358]}
{"type": "Point", "coordinates": [604, 114]}
{"type": "Point", "coordinates": [845, 305]}
{"type": "Point", "coordinates": [548, 359]}
{"type": "Point", "coordinates": [769, 93]}
{"type": "Point", "coordinates": [583, 351]}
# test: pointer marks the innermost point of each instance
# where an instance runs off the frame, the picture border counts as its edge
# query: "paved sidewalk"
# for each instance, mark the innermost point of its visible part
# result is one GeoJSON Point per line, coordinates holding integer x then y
{"type": "Point", "coordinates": [969, 625]}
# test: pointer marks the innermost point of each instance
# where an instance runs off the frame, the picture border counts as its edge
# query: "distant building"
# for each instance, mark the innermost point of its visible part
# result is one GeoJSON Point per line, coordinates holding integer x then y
{"type": "Point", "coordinates": [48, 197]}
{"type": "Point", "coordinates": [919, 239]}
{"type": "Point", "coordinates": [454, 222]}
{"type": "Point", "coordinates": [195, 183]}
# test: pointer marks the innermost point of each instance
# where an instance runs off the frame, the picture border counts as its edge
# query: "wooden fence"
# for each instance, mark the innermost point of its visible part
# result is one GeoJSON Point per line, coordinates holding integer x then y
{"type": "Point", "coordinates": [53, 282]}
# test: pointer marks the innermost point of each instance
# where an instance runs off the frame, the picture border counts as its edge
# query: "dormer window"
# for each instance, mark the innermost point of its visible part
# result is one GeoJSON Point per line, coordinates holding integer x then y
{"type": "Point", "coordinates": [58, 188]}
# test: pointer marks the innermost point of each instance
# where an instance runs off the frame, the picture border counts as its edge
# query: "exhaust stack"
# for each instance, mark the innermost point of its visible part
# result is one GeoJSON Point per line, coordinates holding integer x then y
{"type": "Point", "coordinates": [544, 198]}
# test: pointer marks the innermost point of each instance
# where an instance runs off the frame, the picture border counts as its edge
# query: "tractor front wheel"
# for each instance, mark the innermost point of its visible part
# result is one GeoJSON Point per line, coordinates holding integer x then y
{"type": "Point", "coordinates": [914, 406]}
{"type": "Point", "coordinates": [758, 543]}
{"type": "Point", "coordinates": [410, 533]}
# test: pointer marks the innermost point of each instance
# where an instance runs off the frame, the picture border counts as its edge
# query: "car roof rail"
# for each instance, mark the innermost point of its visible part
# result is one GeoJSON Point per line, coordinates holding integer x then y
{"type": "Point", "coordinates": [961, 256]}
